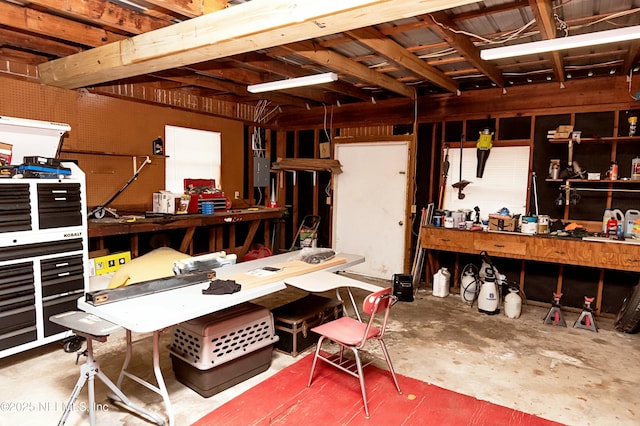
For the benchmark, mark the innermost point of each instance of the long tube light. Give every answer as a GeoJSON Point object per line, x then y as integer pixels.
{"type": "Point", "coordinates": [293, 82]}
{"type": "Point", "coordinates": [561, 43]}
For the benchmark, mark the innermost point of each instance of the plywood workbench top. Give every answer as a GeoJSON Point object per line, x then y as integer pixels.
{"type": "Point", "coordinates": [127, 225]}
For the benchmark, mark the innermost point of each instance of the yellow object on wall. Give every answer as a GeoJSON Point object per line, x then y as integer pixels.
{"type": "Point", "coordinates": [109, 263]}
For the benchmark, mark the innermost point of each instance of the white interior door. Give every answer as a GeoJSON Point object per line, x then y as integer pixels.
{"type": "Point", "coordinates": [370, 198]}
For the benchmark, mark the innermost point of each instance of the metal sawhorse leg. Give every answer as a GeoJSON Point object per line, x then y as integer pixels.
{"type": "Point", "coordinates": [93, 328]}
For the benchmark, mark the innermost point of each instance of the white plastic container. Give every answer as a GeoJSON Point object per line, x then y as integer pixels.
{"type": "Point", "coordinates": [635, 169]}
{"type": "Point", "coordinates": [468, 287]}
{"type": "Point", "coordinates": [630, 216]}
{"type": "Point", "coordinates": [513, 304]}
{"type": "Point", "coordinates": [615, 213]}
{"type": "Point", "coordinates": [441, 281]}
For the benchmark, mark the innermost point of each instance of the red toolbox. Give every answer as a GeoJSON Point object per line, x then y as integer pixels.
{"type": "Point", "coordinates": [205, 189]}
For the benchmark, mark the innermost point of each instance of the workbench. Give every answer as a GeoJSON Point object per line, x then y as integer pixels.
{"type": "Point", "coordinates": [217, 224]}
{"type": "Point", "coordinates": [592, 252]}
{"type": "Point", "coordinates": [159, 311]}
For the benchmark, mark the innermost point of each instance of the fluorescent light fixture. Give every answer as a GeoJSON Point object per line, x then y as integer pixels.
{"type": "Point", "coordinates": [293, 82]}
{"type": "Point", "coordinates": [561, 43]}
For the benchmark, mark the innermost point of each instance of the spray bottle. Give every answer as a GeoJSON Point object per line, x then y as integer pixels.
{"type": "Point", "coordinates": [489, 295]}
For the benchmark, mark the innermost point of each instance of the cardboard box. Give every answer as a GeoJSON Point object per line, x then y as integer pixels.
{"type": "Point", "coordinates": [6, 151]}
{"type": "Point", "coordinates": [503, 223]}
{"type": "Point", "coordinates": [563, 132]}
{"type": "Point", "coordinates": [164, 202]}
{"type": "Point", "coordinates": [109, 263]}
{"type": "Point", "coordinates": [325, 150]}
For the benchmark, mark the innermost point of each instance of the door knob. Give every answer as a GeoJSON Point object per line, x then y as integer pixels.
{"type": "Point", "coordinates": [401, 223]}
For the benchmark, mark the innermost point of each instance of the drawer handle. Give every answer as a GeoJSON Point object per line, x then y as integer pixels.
{"type": "Point", "coordinates": [64, 274]}
{"type": "Point", "coordinates": [59, 265]}
{"type": "Point", "coordinates": [59, 191]}
{"type": "Point", "coordinates": [559, 252]}
{"type": "Point", "coordinates": [498, 245]}
{"type": "Point", "coordinates": [60, 199]}
{"type": "Point", "coordinates": [445, 240]}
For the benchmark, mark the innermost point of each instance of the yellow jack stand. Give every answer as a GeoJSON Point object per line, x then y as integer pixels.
{"type": "Point", "coordinates": [555, 316]}
{"type": "Point", "coordinates": [586, 319]}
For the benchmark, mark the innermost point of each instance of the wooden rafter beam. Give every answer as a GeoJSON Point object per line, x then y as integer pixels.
{"type": "Point", "coordinates": [190, 9]}
{"type": "Point", "coordinates": [49, 25]}
{"type": "Point", "coordinates": [105, 13]}
{"type": "Point", "coordinates": [36, 44]}
{"type": "Point", "coordinates": [186, 77]}
{"type": "Point", "coordinates": [258, 24]}
{"type": "Point", "coordinates": [248, 75]}
{"type": "Point", "coordinates": [337, 86]}
{"type": "Point", "coordinates": [446, 28]}
{"type": "Point", "coordinates": [543, 12]}
{"type": "Point", "coordinates": [631, 57]}
{"type": "Point", "coordinates": [342, 64]}
{"type": "Point", "coordinates": [394, 52]}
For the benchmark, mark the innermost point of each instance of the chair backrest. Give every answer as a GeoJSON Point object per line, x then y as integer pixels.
{"type": "Point", "coordinates": [374, 304]}
{"type": "Point", "coordinates": [377, 301]}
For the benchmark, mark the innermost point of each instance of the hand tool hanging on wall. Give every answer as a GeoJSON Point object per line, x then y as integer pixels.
{"type": "Point", "coordinates": [445, 173]}
{"type": "Point", "coordinates": [483, 150]}
{"type": "Point", "coordinates": [461, 184]}
{"type": "Point", "coordinates": [100, 211]}
{"type": "Point", "coordinates": [534, 180]}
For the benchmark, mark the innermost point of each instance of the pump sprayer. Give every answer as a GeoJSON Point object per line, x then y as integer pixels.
{"type": "Point", "coordinates": [489, 295]}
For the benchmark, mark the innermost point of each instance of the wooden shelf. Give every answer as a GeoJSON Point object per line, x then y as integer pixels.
{"type": "Point", "coordinates": [587, 181]}
{"type": "Point", "coordinates": [307, 164]}
{"type": "Point", "coordinates": [112, 154]}
{"type": "Point", "coordinates": [604, 139]}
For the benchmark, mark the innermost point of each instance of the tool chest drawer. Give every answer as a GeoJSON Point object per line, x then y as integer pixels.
{"type": "Point", "coordinates": [62, 275]}
{"type": "Point", "coordinates": [295, 320]}
{"type": "Point", "coordinates": [39, 249]}
{"type": "Point", "coordinates": [15, 276]}
{"type": "Point", "coordinates": [59, 205]}
{"type": "Point", "coordinates": [18, 337]}
{"type": "Point", "coordinates": [17, 318]}
{"type": "Point", "coordinates": [55, 306]}
{"type": "Point", "coordinates": [15, 208]}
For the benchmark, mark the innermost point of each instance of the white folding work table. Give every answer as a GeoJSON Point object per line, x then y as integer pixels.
{"type": "Point", "coordinates": [158, 311]}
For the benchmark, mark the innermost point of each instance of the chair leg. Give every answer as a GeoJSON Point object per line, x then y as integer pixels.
{"type": "Point", "coordinates": [315, 359]}
{"type": "Point", "coordinates": [388, 359]}
{"type": "Point", "coordinates": [361, 377]}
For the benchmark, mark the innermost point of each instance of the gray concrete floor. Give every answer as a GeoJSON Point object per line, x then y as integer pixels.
{"type": "Point", "coordinates": [573, 376]}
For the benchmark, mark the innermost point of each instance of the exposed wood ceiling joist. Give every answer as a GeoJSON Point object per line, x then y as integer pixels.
{"type": "Point", "coordinates": [543, 11]}
{"type": "Point", "coordinates": [224, 33]}
{"type": "Point", "coordinates": [381, 48]}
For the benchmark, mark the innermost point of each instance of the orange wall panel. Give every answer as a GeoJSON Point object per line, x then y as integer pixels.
{"type": "Point", "coordinates": [107, 132]}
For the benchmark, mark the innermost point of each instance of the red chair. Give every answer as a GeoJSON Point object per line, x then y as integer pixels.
{"type": "Point", "coordinates": [352, 334]}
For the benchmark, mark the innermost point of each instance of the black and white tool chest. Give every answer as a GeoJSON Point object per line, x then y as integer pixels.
{"type": "Point", "coordinates": [43, 254]}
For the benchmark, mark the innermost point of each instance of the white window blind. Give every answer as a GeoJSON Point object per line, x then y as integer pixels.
{"type": "Point", "coordinates": [191, 153]}
{"type": "Point", "coordinates": [503, 184]}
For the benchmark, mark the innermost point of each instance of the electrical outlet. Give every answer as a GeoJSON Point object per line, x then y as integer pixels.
{"type": "Point", "coordinates": [413, 208]}
{"type": "Point", "coordinates": [328, 201]}
{"type": "Point", "coordinates": [237, 195]}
